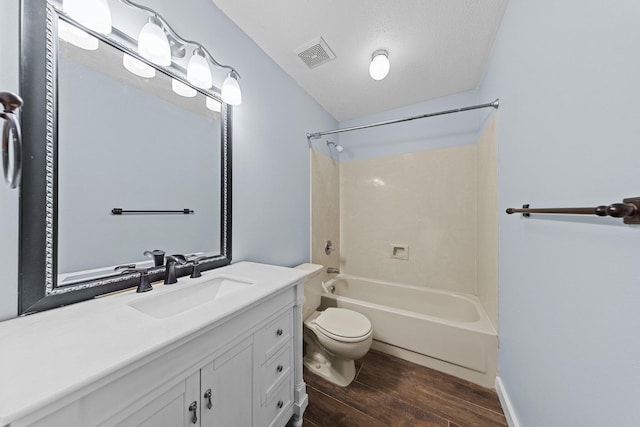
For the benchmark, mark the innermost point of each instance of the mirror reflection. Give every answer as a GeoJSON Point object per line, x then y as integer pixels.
{"type": "Point", "coordinates": [134, 138]}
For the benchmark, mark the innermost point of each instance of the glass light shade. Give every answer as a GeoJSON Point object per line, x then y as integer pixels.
{"type": "Point", "coordinates": [182, 89]}
{"type": "Point", "coordinates": [93, 14]}
{"type": "Point", "coordinates": [138, 67]}
{"type": "Point", "coordinates": [214, 105]}
{"type": "Point", "coordinates": [153, 44]}
{"type": "Point", "coordinates": [198, 71]}
{"type": "Point", "coordinates": [379, 67]}
{"type": "Point", "coordinates": [231, 93]}
{"type": "Point", "coordinates": [76, 36]}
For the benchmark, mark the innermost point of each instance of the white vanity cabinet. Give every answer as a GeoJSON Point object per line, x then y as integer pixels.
{"type": "Point", "coordinates": [226, 388]}
{"type": "Point", "coordinates": [219, 394]}
{"type": "Point", "coordinates": [245, 369]}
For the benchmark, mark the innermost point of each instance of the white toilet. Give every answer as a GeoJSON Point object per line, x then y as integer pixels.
{"type": "Point", "coordinates": [334, 337]}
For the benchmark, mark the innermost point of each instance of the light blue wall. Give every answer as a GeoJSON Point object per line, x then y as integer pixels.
{"type": "Point", "coordinates": [270, 152]}
{"type": "Point", "coordinates": [568, 135]}
{"type": "Point", "coordinates": [417, 135]}
{"type": "Point", "coordinates": [9, 10]}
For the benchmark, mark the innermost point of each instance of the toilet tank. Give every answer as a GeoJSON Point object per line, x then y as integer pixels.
{"type": "Point", "coordinates": [312, 288]}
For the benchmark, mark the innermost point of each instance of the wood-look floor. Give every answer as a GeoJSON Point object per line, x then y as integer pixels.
{"type": "Point", "coordinates": [388, 391]}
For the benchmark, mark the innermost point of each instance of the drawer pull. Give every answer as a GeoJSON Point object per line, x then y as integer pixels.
{"type": "Point", "coordinates": [207, 395]}
{"type": "Point", "coordinates": [279, 332]}
{"type": "Point", "coordinates": [280, 403]}
{"type": "Point", "coordinates": [194, 408]}
{"type": "Point", "coordinates": [279, 368]}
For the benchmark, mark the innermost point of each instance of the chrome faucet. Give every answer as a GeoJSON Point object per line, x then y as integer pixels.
{"type": "Point", "coordinates": [333, 270]}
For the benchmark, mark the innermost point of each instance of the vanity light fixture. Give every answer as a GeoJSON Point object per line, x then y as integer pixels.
{"type": "Point", "coordinates": [138, 67]}
{"type": "Point", "coordinates": [214, 105]}
{"type": "Point", "coordinates": [160, 44]}
{"type": "Point", "coordinates": [93, 14]}
{"type": "Point", "coordinates": [379, 67]}
{"type": "Point", "coordinates": [182, 89]}
{"type": "Point", "coordinates": [153, 43]}
{"type": "Point", "coordinates": [198, 71]}
{"type": "Point", "coordinates": [76, 36]}
{"type": "Point", "coordinates": [231, 93]}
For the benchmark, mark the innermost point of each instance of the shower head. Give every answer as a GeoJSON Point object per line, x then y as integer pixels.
{"type": "Point", "coordinates": [339, 148]}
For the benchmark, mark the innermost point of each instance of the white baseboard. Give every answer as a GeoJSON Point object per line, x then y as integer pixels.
{"type": "Point", "coordinates": [507, 406]}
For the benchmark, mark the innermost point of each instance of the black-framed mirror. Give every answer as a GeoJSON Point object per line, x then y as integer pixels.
{"type": "Point", "coordinates": [100, 142]}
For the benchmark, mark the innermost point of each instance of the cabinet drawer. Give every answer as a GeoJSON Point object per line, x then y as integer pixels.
{"type": "Point", "coordinates": [278, 407]}
{"type": "Point", "coordinates": [275, 370]}
{"type": "Point", "coordinates": [274, 335]}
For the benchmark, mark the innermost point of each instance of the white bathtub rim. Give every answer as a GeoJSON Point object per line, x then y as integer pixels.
{"type": "Point", "coordinates": [471, 298]}
{"type": "Point", "coordinates": [483, 325]}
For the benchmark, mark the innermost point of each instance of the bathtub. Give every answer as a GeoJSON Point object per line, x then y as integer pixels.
{"type": "Point", "coordinates": [450, 327]}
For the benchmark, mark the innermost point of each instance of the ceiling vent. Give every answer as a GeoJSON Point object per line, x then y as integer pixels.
{"type": "Point", "coordinates": [315, 53]}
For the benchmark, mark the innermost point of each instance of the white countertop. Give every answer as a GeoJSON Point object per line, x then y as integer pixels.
{"type": "Point", "coordinates": [51, 354]}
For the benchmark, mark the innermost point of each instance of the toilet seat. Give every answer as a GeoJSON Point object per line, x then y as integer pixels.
{"type": "Point", "coordinates": [343, 325]}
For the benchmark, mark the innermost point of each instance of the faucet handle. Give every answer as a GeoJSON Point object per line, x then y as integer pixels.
{"type": "Point", "coordinates": [158, 256]}
{"type": "Point", "coordinates": [144, 285]}
{"type": "Point", "coordinates": [196, 266]}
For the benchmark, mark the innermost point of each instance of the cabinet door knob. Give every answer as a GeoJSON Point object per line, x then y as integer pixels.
{"type": "Point", "coordinates": [279, 332]}
{"type": "Point", "coordinates": [279, 368]}
{"type": "Point", "coordinates": [207, 395]}
{"type": "Point", "coordinates": [194, 408]}
{"type": "Point", "coordinates": [280, 403]}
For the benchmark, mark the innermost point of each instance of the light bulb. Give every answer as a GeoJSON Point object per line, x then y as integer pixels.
{"type": "Point", "coordinates": [198, 71]}
{"type": "Point", "coordinates": [213, 105]}
{"type": "Point", "coordinates": [231, 93]}
{"type": "Point", "coordinates": [182, 89]}
{"type": "Point", "coordinates": [379, 67]}
{"type": "Point", "coordinates": [93, 14]}
{"type": "Point", "coordinates": [138, 67]}
{"type": "Point", "coordinates": [153, 44]}
{"type": "Point", "coordinates": [77, 37]}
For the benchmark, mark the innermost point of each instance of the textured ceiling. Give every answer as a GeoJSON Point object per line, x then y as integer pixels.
{"type": "Point", "coordinates": [436, 47]}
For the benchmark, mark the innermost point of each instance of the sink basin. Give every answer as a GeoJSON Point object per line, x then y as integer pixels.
{"type": "Point", "coordinates": [171, 303]}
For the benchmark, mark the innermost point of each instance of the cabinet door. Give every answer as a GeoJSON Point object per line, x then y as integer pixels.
{"type": "Point", "coordinates": [171, 408]}
{"type": "Point", "coordinates": [228, 381]}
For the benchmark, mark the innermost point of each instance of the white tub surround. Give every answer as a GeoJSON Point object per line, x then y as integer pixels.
{"type": "Point", "coordinates": [153, 359]}
{"type": "Point", "coordinates": [442, 330]}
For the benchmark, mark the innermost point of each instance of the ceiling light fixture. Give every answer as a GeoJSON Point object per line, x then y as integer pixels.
{"type": "Point", "coordinates": [93, 14]}
{"type": "Point", "coordinates": [379, 67]}
{"type": "Point", "coordinates": [153, 43]}
{"type": "Point", "coordinates": [231, 93]}
{"type": "Point", "coordinates": [198, 71]}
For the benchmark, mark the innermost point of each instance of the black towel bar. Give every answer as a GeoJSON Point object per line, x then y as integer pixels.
{"type": "Point", "coordinates": [629, 210]}
{"type": "Point", "coordinates": [120, 211]}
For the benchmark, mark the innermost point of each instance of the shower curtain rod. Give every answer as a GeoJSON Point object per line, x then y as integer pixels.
{"type": "Point", "coordinates": [495, 104]}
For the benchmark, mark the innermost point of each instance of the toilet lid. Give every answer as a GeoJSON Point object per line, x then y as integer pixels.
{"type": "Point", "coordinates": [344, 323]}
